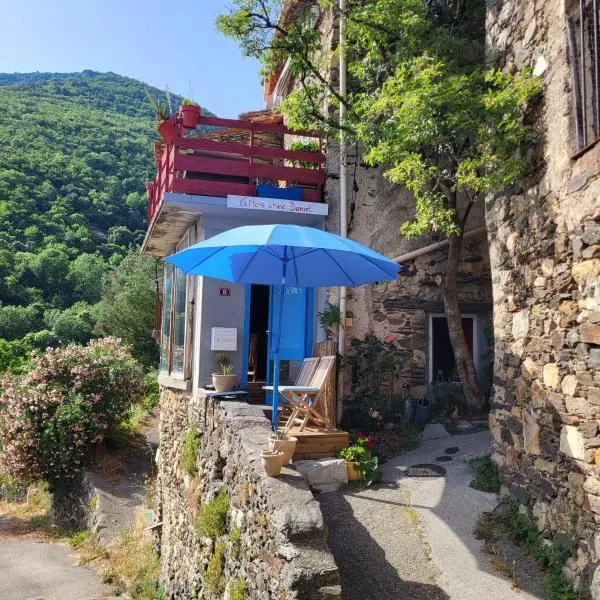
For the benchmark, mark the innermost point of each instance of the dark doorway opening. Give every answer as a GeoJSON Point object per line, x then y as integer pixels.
{"type": "Point", "coordinates": [259, 324]}
{"type": "Point", "coordinates": [442, 354]}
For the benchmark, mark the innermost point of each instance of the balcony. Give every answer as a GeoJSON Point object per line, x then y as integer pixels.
{"type": "Point", "coordinates": [233, 160]}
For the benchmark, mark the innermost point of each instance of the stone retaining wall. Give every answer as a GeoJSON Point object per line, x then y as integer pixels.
{"type": "Point", "coordinates": [281, 552]}
{"type": "Point", "coordinates": [545, 259]}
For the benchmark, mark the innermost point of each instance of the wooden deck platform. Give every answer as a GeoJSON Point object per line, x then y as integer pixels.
{"type": "Point", "coordinates": [318, 443]}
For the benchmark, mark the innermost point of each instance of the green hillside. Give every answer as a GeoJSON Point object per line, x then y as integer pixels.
{"type": "Point", "coordinates": [75, 154]}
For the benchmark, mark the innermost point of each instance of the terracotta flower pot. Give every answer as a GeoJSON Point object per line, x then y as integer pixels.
{"type": "Point", "coordinates": [190, 113]}
{"type": "Point", "coordinates": [272, 462]}
{"type": "Point", "coordinates": [353, 472]}
{"type": "Point", "coordinates": [287, 445]}
{"type": "Point", "coordinates": [224, 383]}
{"type": "Point", "coordinates": [166, 129]}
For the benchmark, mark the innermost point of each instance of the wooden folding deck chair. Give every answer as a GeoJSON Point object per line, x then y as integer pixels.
{"type": "Point", "coordinates": [309, 366]}
{"type": "Point", "coordinates": [305, 400]}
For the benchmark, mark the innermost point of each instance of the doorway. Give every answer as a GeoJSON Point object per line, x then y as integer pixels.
{"type": "Point", "coordinates": [441, 353]}
{"type": "Point", "coordinates": [259, 336]}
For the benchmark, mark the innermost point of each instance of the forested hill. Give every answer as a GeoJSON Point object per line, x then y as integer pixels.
{"type": "Point", "coordinates": [75, 152]}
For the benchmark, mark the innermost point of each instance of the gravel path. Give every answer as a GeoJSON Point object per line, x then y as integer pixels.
{"type": "Point", "coordinates": [412, 538]}
{"type": "Point", "coordinates": [377, 545]}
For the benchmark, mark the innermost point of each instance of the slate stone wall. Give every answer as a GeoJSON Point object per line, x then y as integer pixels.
{"type": "Point", "coordinates": [545, 259]}
{"type": "Point", "coordinates": [275, 538]}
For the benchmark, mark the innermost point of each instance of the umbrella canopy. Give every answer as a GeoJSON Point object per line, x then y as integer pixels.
{"type": "Point", "coordinates": [285, 255]}
{"type": "Point", "coordinates": [255, 254]}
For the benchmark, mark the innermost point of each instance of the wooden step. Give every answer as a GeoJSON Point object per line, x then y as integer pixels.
{"type": "Point", "coordinates": [319, 443]}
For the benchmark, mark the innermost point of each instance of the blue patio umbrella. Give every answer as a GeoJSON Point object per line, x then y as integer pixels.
{"type": "Point", "coordinates": [285, 255]}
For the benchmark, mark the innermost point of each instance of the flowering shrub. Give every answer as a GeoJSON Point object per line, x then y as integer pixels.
{"type": "Point", "coordinates": [358, 452]}
{"type": "Point", "coordinates": [53, 415]}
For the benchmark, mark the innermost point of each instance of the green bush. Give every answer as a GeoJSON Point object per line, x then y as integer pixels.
{"type": "Point", "coordinates": [189, 451]}
{"type": "Point", "coordinates": [486, 474]}
{"type": "Point", "coordinates": [214, 581]}
{"type": "Point", "coordinates": [57, 412]}
{"type": "Point", "coordinates": [237, 590]}
{"type": "Point", "coordinates": [235, 536]}
{"type": "Point", "coordinates": [212, 516]}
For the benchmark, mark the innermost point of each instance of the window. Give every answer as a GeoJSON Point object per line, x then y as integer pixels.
{"type": "Point", "coordinates": [583, 40]}
{"type": "Point", "coordinates": [175, 334]}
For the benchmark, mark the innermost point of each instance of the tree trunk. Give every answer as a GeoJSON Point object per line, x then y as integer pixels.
{"type": "Point", "coordinates": [462, 355]}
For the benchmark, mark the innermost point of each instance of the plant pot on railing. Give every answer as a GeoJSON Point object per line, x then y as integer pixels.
{"type": "Point", "coordinates": [189, 113]}
{"type": "Point", "coordinates": [266, 190]}
{"type": "Point", "coordinates": [159, 150]}
{"type": "Point", "coordinates": [166, 129]}
{"type": "Point", "coordinates": [224, 383]}
{"type": "Point", "coordinates": [272, 462]}
{"type": "Point", "coordinates": [287, 445]}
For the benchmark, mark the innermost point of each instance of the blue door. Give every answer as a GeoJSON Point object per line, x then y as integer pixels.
{"type": "Point", "coordinates": [296, 330]}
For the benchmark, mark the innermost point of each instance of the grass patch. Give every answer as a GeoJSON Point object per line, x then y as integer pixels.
{"type": "Point", "coordinates": [88, 547]}
{"type": "Point", "coordinates": [523, 532]}
{"type": "Point", "coordinates": [35, 511]}
{"type": "Point", "coordinates": [486, 476]}
{"type": "Point", "coordinates": [133, 565]}
{"type": "Point", "coordinates": [212, 516]}
{"type": "Point", "coordinates": [412, 515]}
{"type": "Point", "coordinates": [214, 581]}
{"type": "Point", "coordinates": [235, 537]}
{"type": "Point", "coordinates": [189, 451]}
{"type": "Point", "coordinates": [237, 590]}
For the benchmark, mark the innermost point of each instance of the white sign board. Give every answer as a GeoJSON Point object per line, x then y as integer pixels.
{"type": "Point", "coordinates": [274, 204]}
{"type": "Point", "coordinates": [224, 339]}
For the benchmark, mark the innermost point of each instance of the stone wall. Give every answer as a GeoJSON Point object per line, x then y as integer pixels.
{"type": "Point", "coordinates": [281, 552]}
{"type": "Point", "coordinates": [545, 259]}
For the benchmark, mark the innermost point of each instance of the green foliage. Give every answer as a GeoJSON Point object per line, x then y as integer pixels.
{"type": "Point", "coordinates": [300, 146]}
{"type": "Point", "coordinates": [330, 317]}
{"type": "Point", "coordinates": [76, 153]}
{"type": "Point", "coordinates": [126, 309]}
{"type": "Point", "coordinates": [237, 590]}
{"type": "Point", "coordinates": [486, 474]}
{"type": "Point", "coordinates": [10, 490]}
{"type": "Point", "coordinates": [78, 538]}
{"type": "Point", "coordinates": [522, 531]}
{"type": "Point", "coordinates": [13, 355]}
{"type": "Point", "coordinates": [214, 581]}
{"type": "Point", "coordinates": [54, 414]}
{"type": "Point", "coordinates": [368, 466]}
{"type": "Point", "coordinates": [235, 537]}
{"type": "Point", "coordinates": [189, 451]}
{"type": "Point", "coordinates": [422, 102]}
{"type": "Point", "coordinates": [212, 516]}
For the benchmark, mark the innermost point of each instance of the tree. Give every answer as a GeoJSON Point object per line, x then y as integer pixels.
{"type": "Point", "coordinates": [127, 306]}
{"type": "Point", "coordinates": [422, 103]}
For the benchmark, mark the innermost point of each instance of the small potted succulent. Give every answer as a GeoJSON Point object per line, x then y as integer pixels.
{"type": "Point", "coordinates": [272, 461]}
{"type": "Point", "coordinates": [166, 124]}
{"type": "Point", "coordinates": [224, 380]}
{"type": "Point", "coordinates": [284, 443]}
{"type": "Point", "coordinates": [189, 112]}
{"type": "Point", "coordinates": [330, 319]}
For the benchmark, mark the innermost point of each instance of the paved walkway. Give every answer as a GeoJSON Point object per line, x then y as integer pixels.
{"type": "Point", "coordinates": [412, 538]}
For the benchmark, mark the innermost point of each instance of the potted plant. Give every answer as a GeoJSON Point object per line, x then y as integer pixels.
{"type": "Point", "coordinates": [189, 112]}
{"type": "Point", "coordinates": [360, 465]}
{"type": "Point", "coordinates": [329, 319]}
{"type": "Point", "coordinates": [284, 443]}
{"type": "Point", "coordinates": [166, 124]}
{"type": "Point", "coordinates": [224, 380]}
{"type": "Point", "coordinates": [272, 461]}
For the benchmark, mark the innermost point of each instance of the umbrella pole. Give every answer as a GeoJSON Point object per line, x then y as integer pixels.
{"type": "Point", "coordinates": [275, 399]}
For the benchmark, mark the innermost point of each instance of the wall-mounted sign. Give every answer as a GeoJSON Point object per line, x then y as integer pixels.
{"type": "Point", "coordinates": [224, 291]}
{"type": "Point", "coordinates": [223, 339]}
{"type": "Point", "coordinates": [274, 204]}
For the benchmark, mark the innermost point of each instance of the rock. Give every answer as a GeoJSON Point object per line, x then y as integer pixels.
{"type": "Point", "coordinates": [589, 333]}
{"type": "Point", "coordinates": [538, 394]}
{"type": "Point", "coordinates": [434, 431]}
{"type": "Point", "coordinates": [594, 358]}
{"type": "Point", "coordinates": [520, 325]}
{"type": "Point", "coordinates": [326, 474]}
{"type": "Point", "coordinates": [530, 368]}
{"type": "Point", "coordinates": [547, 267]}
{"type": "Point", "coordinates": [571, 442]}
{"type": "Point", "coordinates": [569, 385]}
{"type": "Point", "coordinates": [527, 37]}
{"type": "Point", "coordinates": [577, 406]}
{"type": "Point", "coordinates": [591, 233]}
{"type": "Point", "coordinates": [586, 271]}
{"type": "Point", "coordinates": [464, 426]}
{"type": "Point", "coordinates": [592, 486]}
{"type": "Point", "coordinates": [531, 434]}
{"type": "Point", "coordinates": [541, 64]}
{"type": "Point", "coordinates": [591, 251]}
{"type": "Point", "coordinates": [551, 375]}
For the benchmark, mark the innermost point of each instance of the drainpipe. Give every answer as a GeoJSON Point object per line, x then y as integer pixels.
{"type": "Point", "coordinates": [431, 248]}
{"type": "Point", "coordinates": [343, 199]}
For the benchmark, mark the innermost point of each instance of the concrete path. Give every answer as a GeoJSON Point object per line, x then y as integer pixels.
{"type": "Point", "coordinates": [32, 570]}
{"type": "Point", "coordinates": [449, 510]}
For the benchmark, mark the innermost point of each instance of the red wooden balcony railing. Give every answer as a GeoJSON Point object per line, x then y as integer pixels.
{"type": "Point", "coordinates": [218, 166]}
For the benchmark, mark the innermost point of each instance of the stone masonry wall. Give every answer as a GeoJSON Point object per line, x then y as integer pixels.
{"type": "Point", "coordinates": [281, 553]}
{"type": "Point", "coordinates": [545, 259]}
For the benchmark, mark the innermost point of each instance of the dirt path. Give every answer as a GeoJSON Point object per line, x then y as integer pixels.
{"type": "Point", "coordinates": [33, 568]}
{"type": "Point", "coordinates": [412, 538]}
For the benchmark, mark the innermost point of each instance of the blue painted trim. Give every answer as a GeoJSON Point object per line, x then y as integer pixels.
{"type": "Point", "coordinates": [246, 336]}
{"type": "Point", "coordinates": [310, 321]}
